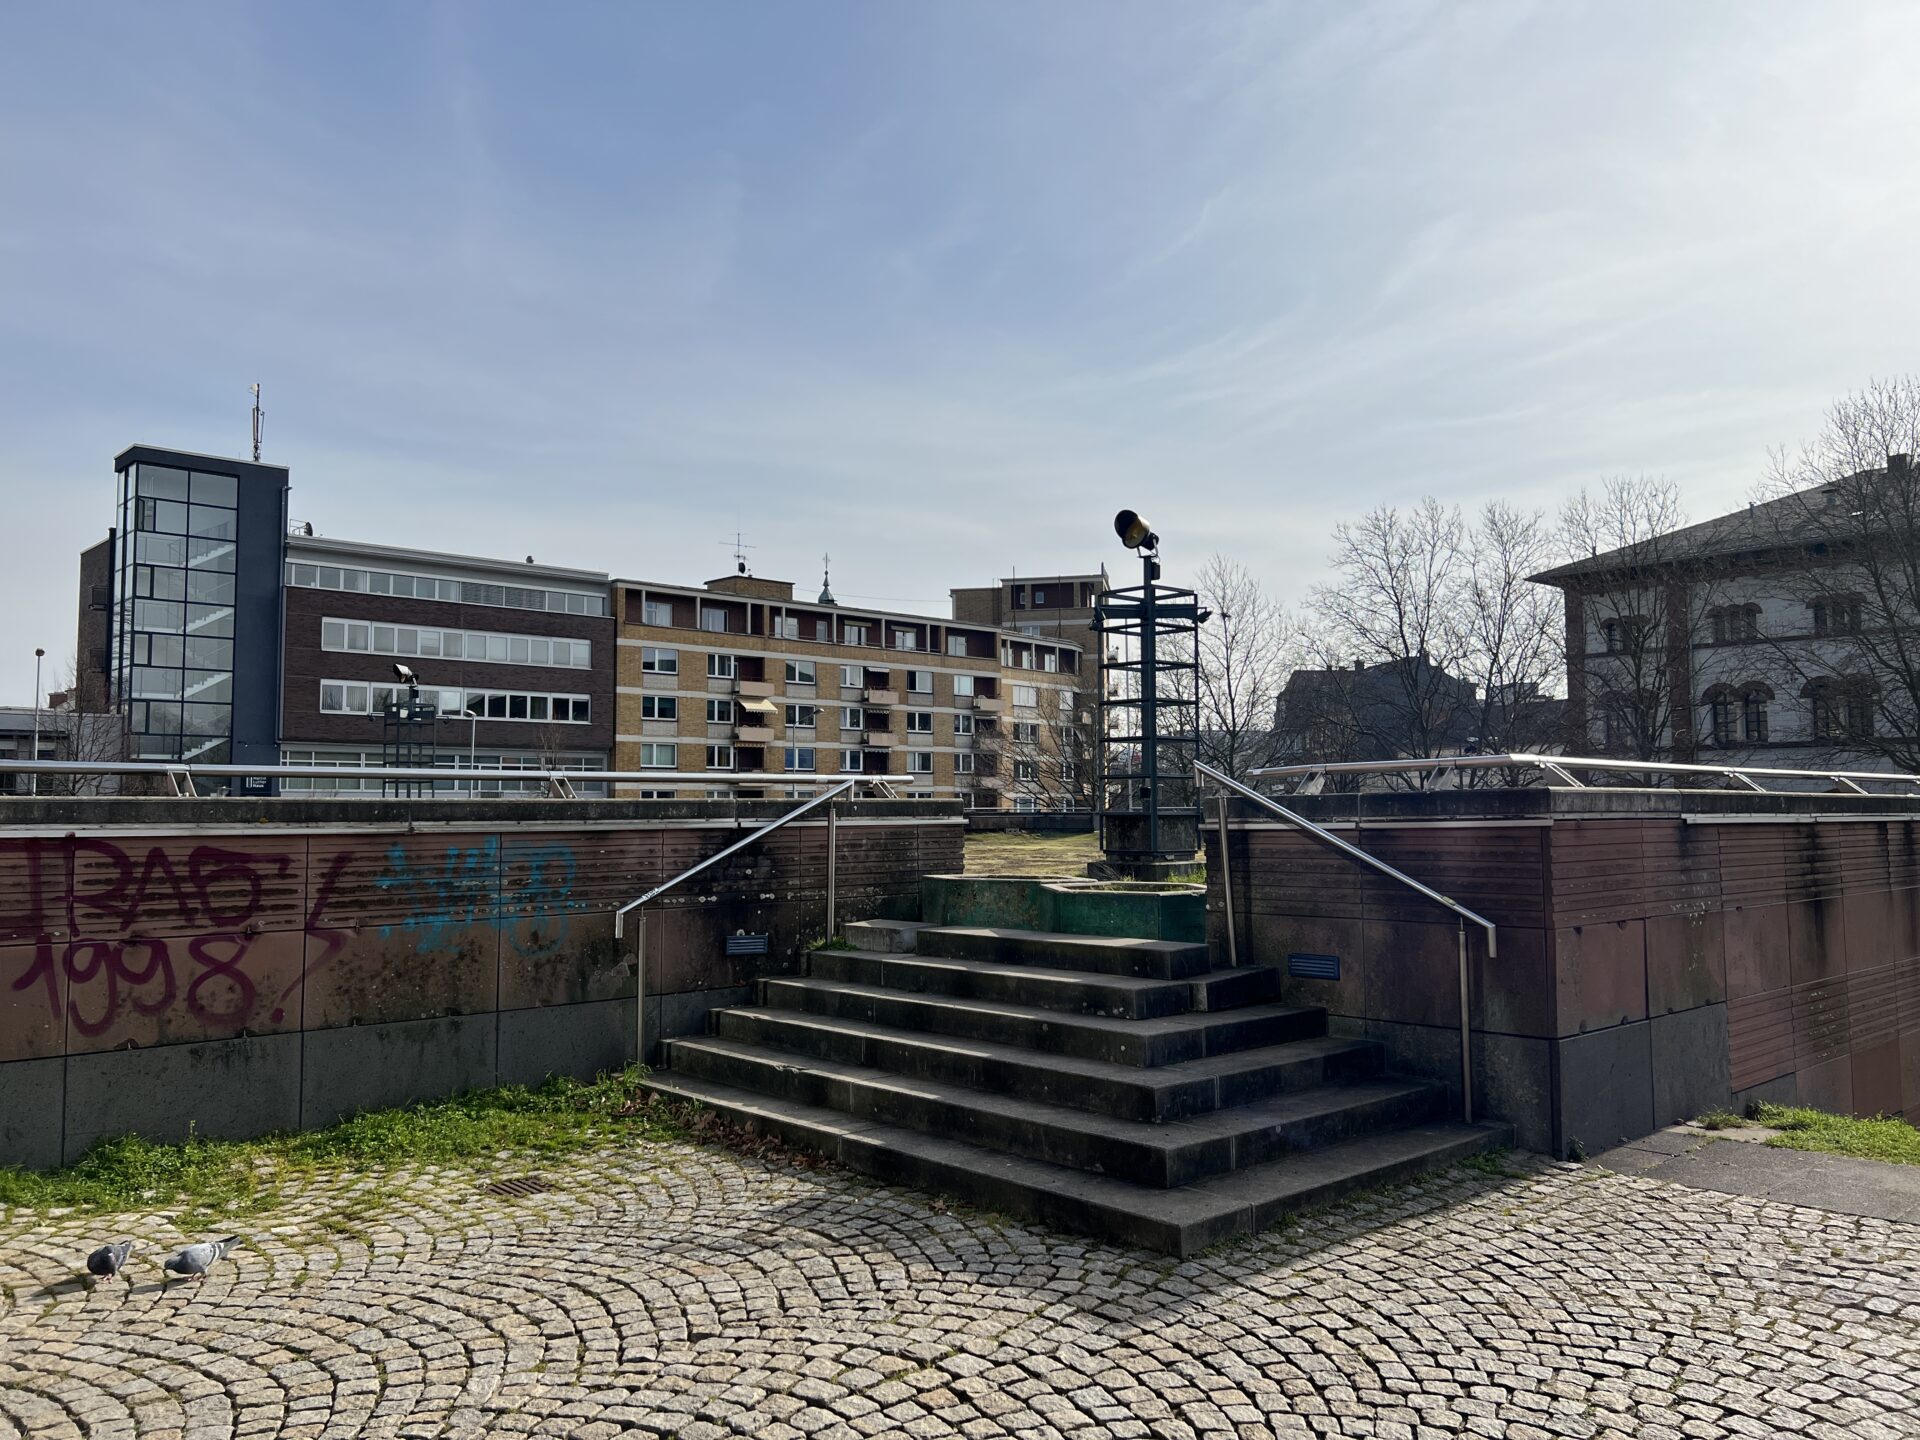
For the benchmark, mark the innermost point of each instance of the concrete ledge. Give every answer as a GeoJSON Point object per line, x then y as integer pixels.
{"type": "Point", "coordinates": [32, 1112]}
{"type": "Point", "coordinates": [216, 1089]}
{"type": "Point", "coordinates": [581, 1040]}
{"type": "Point", "coordinates": [371, 1067]}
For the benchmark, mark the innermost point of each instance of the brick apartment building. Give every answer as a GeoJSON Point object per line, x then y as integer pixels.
{"type": "Point", "coordinates": [1060, 606]}
{"type": "Point", "coordinates": [739, 674]}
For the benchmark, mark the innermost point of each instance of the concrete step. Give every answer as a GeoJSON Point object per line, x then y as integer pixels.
{"type": "Point", "coordinates": [1163, 1041]}
{"type": "Point", "coordinates": [1177, 1222]}
{"type": "Point", "coordinates": [896, 936]}
{"type": "Point", "coordinates": [1132, 1092]}
{"type": "Point", "coordinates": [1076, 992]}
{"type": "Point", "coordinates": [1103, 954]}
{"type": "Point", "coordinates": [1161, 1155]}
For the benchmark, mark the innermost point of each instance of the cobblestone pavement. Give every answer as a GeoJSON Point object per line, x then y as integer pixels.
{"type": "Point", "coordinates": [681, 1290]}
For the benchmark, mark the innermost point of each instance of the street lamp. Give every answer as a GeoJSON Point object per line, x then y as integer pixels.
{"type": "Point", "coordinates": [34, 779]}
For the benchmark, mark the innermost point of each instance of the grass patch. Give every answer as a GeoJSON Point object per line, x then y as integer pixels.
{"type": "Point", "coordinates": [1722, 1120]}
{"type": "Point", "coordinates": [207, 1178]}
{"type": "Point", "coordinates": [1883, 1138]}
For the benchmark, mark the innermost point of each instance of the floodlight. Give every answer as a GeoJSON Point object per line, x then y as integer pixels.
{"type": "Point", "coordinates": [405, 675]}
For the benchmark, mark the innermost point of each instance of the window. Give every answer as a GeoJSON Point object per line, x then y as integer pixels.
{"type": "Point", "coordinates": [905, 640]}
{"type": "Point", "coordinates": [719, 757]}
{"type": "Point", "coordinates": [963, 763]}
{"type": "Point", "coordinates": [852, 761]}
{"type": "Point", "coordinates": [1720, 715]}
{"type": "Point", "coordinates": [1025, 770]}
{"type": "Point", "coordinates": [1019, 597]}
{"type": "Point", "coordinates": [1026, 732]}
{"type": "Point", "coordinates": [418, 587]}
{"type": "Point", "coordinates": [408, 640]}
{"type": "Point", "coordinates": [659, 662]}
{"type": "Point", "coordinates": [657, 612]}
{"type": "Point", "coordinates": [851, 676]}
{"type": "Point", "coordinates": [343, 697]}
{"type": "Point", "coordinates": [657, 757]}
{"type": "Point", "coordinates": [920, 762]}
{"type": "Point", "coordinates": [787, 627]}
{"type": "Point", "coordinates": [714, 619]}
{"type": "Point", "coordinates": [719, 712]}
{"type": "Point", "coordinates": [1039, 596]}
{"type": "Point", "coordinates": [659, 707]}
{"type": "Point", "coordinates": [962, 725]}
{"type": "Point", "coordinates": [801, 717]}
{"type": "Point", "coordinates": [853, 718]}
{"type": "Point", "coordinates": [854, 635]}
{"type": "Point", "coordinates": [800, 672]}
{"type": "Point", "coordinates": [1836, 615]}
{"type": "Point", "coordinates": [962, 685]}
{"type": "Point", "coordinates": [956, 644]}
{"type": "Point", "coordinates": [800, 758]}
{"type": "Point", "coordinates": [1027, 696]}
{"type": "Point", "coordinates": [1842, 708]}
{"type": "Point", "coordinates": [1050, 660]}
{"type": "Point", "coordinates": [1753, 714]}
{"type": "Point", "coordinates": [920, 682]}
{"type": "Point", "coordinates": [920, 722]}
{"type": "Point", "coordinates": [722, 667]}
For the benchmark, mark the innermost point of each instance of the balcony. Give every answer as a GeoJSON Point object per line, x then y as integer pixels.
{"type": "Point", "coordinates": [757, 689]}
{"type": "Point", "coordinates": [753, 734]}
{"type": "Point", "coordinates": [879, 697]}
{"type": "Point", "coordinates": [989, 704]}
{"type": "Point", "coordinates": [878, 740]}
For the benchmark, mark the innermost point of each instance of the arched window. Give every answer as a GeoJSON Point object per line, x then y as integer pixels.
{"type": "Point", "coordinates": [1753, 713]}
{"type": "Point", "coordinates": [1843, 707]}
{"type": "Point", "coordinates": [1719, 701]}
{"type": "Point", "coordinates": [1835, 615]}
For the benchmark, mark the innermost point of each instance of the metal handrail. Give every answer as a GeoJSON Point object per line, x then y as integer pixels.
{"type": "Point", "coordinates": [1463, 915]}
{"type": "Point", "coordinates": [759, 832]}
{"type": "Point", "coordinates": [1562, 768]}
{"type": "Point", "coordinates": [182, 774]}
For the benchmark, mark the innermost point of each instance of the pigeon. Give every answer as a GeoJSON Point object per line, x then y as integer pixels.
{"type": "Point", "coordinates": [110, 1260]}
{"type": "Point", "coordinates": [198, 1259]}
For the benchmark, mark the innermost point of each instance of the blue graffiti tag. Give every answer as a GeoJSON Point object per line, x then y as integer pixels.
{"type": "Point", "coordinates": [440, 899]}
{"type": "Point", "coordinates": [548, 894]}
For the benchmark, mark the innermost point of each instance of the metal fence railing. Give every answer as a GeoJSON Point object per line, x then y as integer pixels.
{"type": "Point", "coordinates": [1565, 770]}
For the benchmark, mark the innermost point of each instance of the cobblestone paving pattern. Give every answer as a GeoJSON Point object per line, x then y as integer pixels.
{"type": "Point", "coordinates": [682, 1290]}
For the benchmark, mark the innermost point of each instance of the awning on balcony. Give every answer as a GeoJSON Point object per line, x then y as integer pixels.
{"type": "Point", "coordinates": [764, 708]}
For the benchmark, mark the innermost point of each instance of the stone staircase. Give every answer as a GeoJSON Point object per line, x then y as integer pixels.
{"type": "Point", "coordinates": [1114, 1087]}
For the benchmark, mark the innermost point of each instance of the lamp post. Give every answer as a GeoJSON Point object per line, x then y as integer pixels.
{"type": "Point", "coordinates": [34, 779]}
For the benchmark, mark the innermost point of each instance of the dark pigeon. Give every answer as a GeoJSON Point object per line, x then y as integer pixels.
{"type": "Point", "coordinates": [198, 1259]}
{"type": "Point", "coordinates": [110, 1260]}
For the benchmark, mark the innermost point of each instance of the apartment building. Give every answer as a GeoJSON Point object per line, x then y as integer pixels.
{"type": "Point", "coordinates": [738, 675]}
{"type": "Point", "coordinates": [1058, 606]}
{"type": "Point", "coordinates": [516, 656]}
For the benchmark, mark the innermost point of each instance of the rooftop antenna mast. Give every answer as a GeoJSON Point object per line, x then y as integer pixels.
{"type": "Point", "coordinates": [259, 417]}
{"type": "Point", "coordinates": [740, 548]}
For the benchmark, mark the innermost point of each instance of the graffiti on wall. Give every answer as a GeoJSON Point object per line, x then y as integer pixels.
{"type": "Point", "coordinates": [217, 938]}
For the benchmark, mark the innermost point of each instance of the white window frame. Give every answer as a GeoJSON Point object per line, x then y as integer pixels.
{"type": "Point", "coordinates": [920, 762]}
{"type": "Point", "coordinates": [795, 712]}
{"type": "Point", "coordinates": [852, 762]}
{"type": "Point", "coordinates": [657, 612]}
{"type": "Point", "coordinates": [853, 677]}
{"type": "Point", "coordinates": [722, 665]}
{"type": "Point", "coordinates": [724, 705]}
{"type": "Point", "coordinates": [924, 688]}
{"type": "Point", "coordinates": [721, 757]}
{"type": "Point", "coordinates": [651, 752]}
{"type": "Point", "coordinates": [919, 722]}
{"type": "Point", "coordinates": [963, 725]}
{"type": "Point", "coordinates": [963, 763]}
{"type": "Point", "coordinates": [801, 672]}
{"type": "Point", "coordinates": [654, 660]}
{"type": "Point", "coordinates": [962, 685]}
{"type": "Point", "coordinates": [853, 634]}
{"type": "Point", "coordinates": [709, 614]}
{"type": "Point", "coordinates": [807, 766]}
{"type": "Point", "coordinates": [664, 707]}
{"type": "Point", "coordinates": [1026, 697]}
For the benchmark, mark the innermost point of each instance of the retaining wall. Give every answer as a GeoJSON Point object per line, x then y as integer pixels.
{"type": "Point", "coordinates": [1661, 953]}
{"type": "Point", "coordinates": [242, 966]}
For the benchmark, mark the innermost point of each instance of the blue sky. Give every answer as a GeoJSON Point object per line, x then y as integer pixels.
{"type": "Point", "coordinates": [936, 287]}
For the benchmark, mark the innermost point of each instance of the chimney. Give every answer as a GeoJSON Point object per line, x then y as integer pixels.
{"type": "Point", "coordinates": [1359, 665]}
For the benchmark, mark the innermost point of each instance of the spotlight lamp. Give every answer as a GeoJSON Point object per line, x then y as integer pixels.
{"type": "Point", "coordinates": [1134, 532]}
{"type": "Point", "coordinates": [404, 674]}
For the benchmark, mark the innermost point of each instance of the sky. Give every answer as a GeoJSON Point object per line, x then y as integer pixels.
{"type": "Point", "coordinates": [936, 288]}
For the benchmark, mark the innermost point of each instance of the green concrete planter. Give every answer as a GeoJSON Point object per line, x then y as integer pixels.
{"type": "Point", "coordinates": [1140, 910]}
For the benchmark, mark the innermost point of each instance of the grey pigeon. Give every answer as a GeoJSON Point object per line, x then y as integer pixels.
{"type": "Point", "coordinates": [110, 1260]}
{"type": "Point", "coordinates": [198, 1259]}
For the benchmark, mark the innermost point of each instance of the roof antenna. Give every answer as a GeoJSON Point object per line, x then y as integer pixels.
{"type": "Point", "coordinates": [740, 548]}
{"type": "Point", "coordinates": [259, 416]}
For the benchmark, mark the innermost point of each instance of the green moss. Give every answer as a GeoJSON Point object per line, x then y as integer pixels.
{"type": "Point", "coordinates": [203, 1178]}
{"type": "Point", "coordinates": [1882, 1138]}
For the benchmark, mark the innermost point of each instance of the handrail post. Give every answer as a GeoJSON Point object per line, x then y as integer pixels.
{"type": "Point", "coordinates": [640, 991]}
{"type": "Point", "coordinates": [1226, 884]}
{"type": "Point", "coordinates": [1466, 1032]}
{"type": "Point", "coordinates": [833, 862]}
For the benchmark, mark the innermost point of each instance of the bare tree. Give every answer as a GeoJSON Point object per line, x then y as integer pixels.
{"type": "Point", "coordinates": [1844, 522]}
{"type": "Point", "coordinates": [1629, 681]}
{"type": "Point", "coordinates": [1391, 638]}
{"type": "Point", "coordinates": [1042, 753]}
{"type": "Point", "coordinates": [82, 726]}
{"type": "Point", "coordinates": [1246, 651]}
{"type": "Point", "coordinates": [1514, 648]}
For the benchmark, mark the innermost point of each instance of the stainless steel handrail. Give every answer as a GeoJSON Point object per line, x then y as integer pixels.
{"type": "Point", "coordinates": [1562, 767]}
{"type": "Point", "coordinates": [1463, 915]}
{"type": "Point", "coordinates": [759, 832]}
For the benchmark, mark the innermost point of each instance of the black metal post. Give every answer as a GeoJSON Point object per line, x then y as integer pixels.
{"type": "Point", "coordinates": [1149, 699]}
